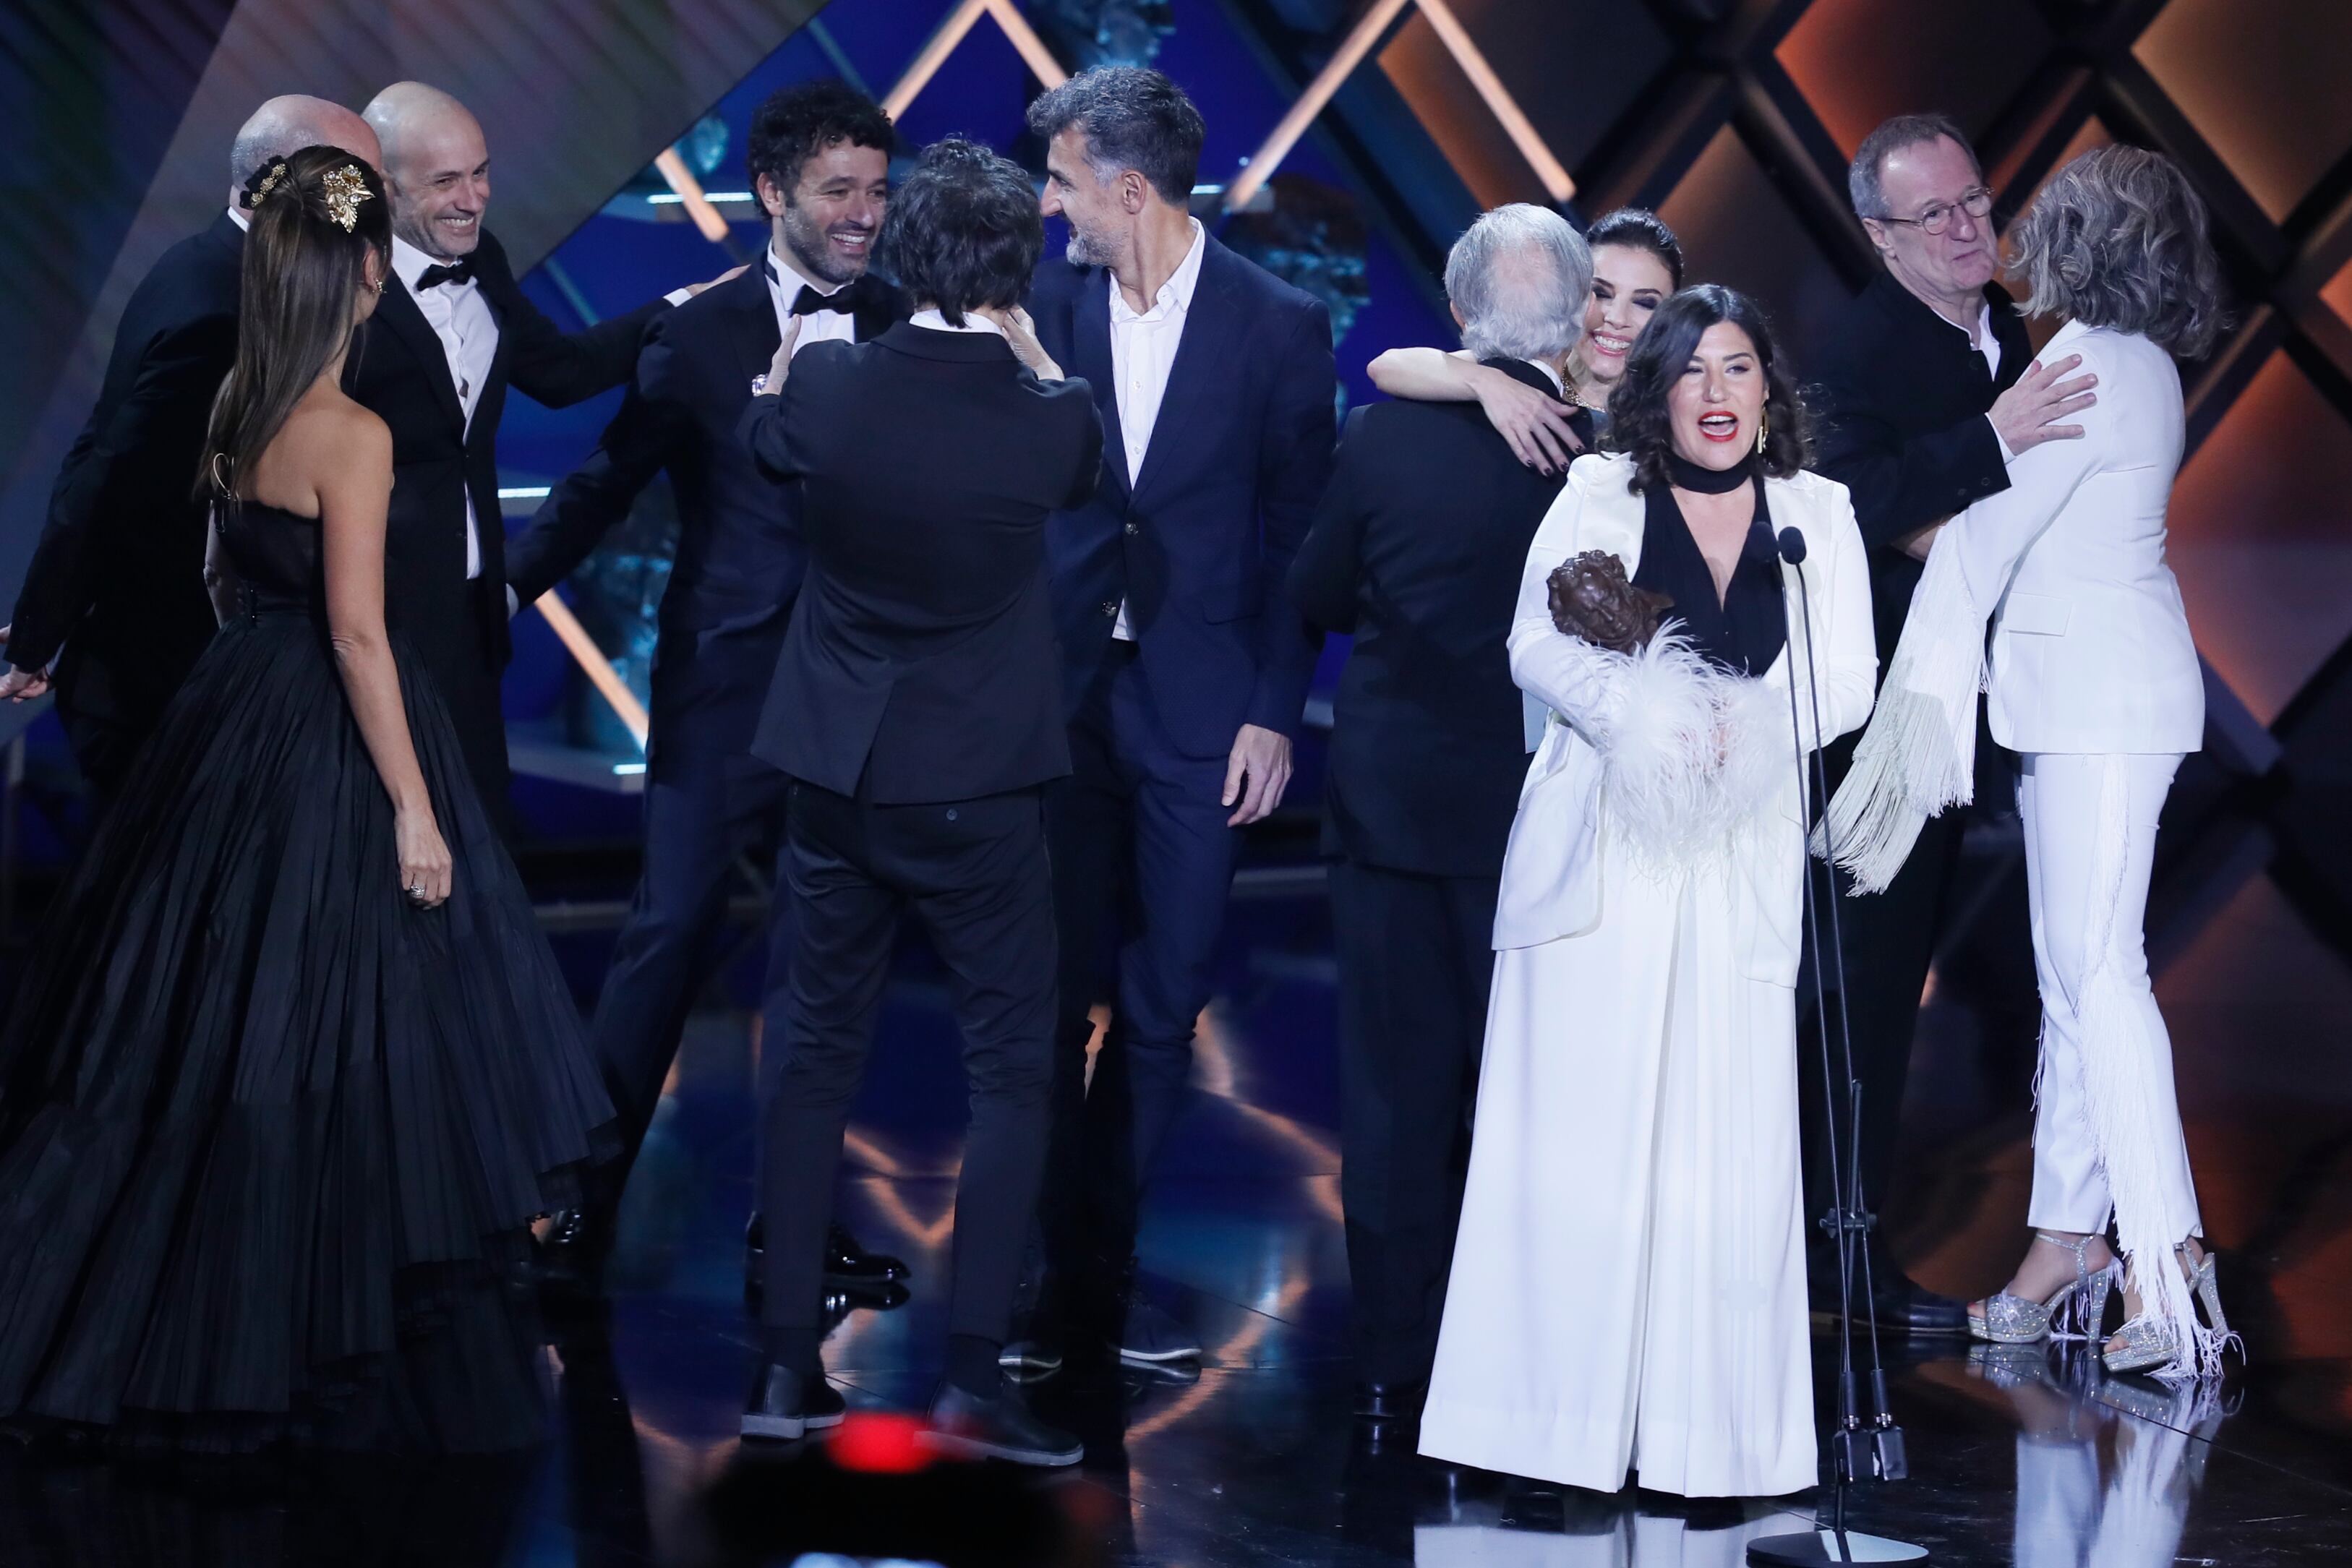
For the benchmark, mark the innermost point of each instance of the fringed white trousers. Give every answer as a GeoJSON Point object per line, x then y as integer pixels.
{"type": "Point", "coordinates": [2090, 839]}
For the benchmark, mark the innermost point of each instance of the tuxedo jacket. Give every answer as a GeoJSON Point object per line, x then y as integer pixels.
{"type": "Point", "coordinates": [117, 580]}
{"type": "Point", "coordinates": [1555, 879]}
{"type": "Point", "coordinates": [438, 459]}
{"type": "Point", "coordinates": [1416, 551]}
{"type": "Point", "coordinates": [920, 664]}
{"type": "Point", "coordinates": [739, 556]}
{"type": "Point", "coordinates": [1197, 544]}
{"type": "Point", "coordinates": [2091, 650]}
{"type": "Point", "coordinates": [1902, 399]}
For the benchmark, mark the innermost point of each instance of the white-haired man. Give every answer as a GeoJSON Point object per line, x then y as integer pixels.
{"type": "Point", "coordinates": [1417, 551]}
{"type": "Point", "coordinates": [114, 598]}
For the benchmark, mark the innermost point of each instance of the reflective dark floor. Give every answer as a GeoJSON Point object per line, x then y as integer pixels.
{"type": "Point", "coordinates": [2027, 1456]}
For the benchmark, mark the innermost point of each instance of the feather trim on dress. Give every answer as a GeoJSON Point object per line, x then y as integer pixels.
{"type": "Point", "coordinates": [1688, 756]}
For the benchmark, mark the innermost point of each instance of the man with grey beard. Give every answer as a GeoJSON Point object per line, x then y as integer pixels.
{"type": "Point", "coordinates": [1185, 666]}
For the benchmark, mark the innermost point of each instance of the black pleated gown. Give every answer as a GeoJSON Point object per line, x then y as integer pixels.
{"type": "Point", "coordinates": [270, 1136]}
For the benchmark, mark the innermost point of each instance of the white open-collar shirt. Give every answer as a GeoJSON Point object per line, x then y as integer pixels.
{"type": "Point", "coordinates": [1143, 351]}
{"type": "Point", "coordinates": [468, 331]}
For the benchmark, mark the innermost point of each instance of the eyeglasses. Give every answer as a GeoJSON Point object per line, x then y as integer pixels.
{"type": "Point", "coordinates": [1937, 219]}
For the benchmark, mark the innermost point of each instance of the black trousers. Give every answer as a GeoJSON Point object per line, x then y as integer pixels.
{"type": "Point", "coordinates": [975, 874]}
{"type": "Point", "coordinates": [704, 812]}
{"type": "Point", "coordinates": [1890, 942]}
{"type": "Point", "coordinates": [1416, 960]}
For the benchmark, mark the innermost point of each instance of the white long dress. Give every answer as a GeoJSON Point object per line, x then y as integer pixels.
{"type": "Point", "coordinates": [1628, 1288]}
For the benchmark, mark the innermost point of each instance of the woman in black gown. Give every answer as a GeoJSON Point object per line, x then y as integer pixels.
{"type": "Point", "coordinates": [292, 1068]}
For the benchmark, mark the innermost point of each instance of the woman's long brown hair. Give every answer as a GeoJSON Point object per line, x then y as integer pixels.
{"type": "Point", "coordinates": [302, 271]}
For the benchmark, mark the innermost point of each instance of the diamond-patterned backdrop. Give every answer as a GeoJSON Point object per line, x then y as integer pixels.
{"type": "Point", "coordinates": [1736, 119]}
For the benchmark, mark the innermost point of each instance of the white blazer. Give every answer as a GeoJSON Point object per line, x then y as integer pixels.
{"type": "Point", "coordinates": [1554, 872]}
{"type": "Point", "coordinates": [2091, 651]}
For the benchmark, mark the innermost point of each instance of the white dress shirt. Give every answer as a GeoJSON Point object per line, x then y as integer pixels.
{"type": "Point", "coordinates": [1987, 344]}
{"type": "Point", "coordinates": [1143, 351]}
{"type": "Point", "coordinates": [1989, 347]}
{"type": "Point", "coordinates": [932, 322]}
{"type": "Point", "coordinates": [238, 216]}
{"type": "Point", "coordinates": [461, 318]}
{"type": "Point", "coordinates": [785, 282]}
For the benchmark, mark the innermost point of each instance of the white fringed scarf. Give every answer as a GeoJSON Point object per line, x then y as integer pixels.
{"type": "Point", "coordinates": [1919, 757]}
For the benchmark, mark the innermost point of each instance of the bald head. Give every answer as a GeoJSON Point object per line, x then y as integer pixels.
{"type": "Point", "coordinates": [436, 165]}
{"type": "Point", "coordinates": [290, 123]}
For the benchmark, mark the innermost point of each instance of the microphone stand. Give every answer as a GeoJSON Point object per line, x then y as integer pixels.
{"type": "Point", "coordinates": [1852, 1444]}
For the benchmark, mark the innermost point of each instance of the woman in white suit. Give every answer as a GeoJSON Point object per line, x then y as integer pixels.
{"type": "Point", "coordinates": [1629, 1286]}
{"type": "Point", "coordinates": [2094, 681]}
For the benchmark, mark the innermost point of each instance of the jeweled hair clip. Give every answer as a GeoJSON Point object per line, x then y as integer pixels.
{"type": "Point", "coordinates": [346, 189]}
{"type": "Point", "coordinates": [264, 182]}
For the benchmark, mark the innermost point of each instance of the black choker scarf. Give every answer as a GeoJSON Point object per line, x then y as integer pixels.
{"type": "Point", "coordinates": [1685, 474]}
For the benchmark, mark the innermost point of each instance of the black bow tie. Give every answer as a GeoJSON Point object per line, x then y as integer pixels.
{"type": "Point", "coordinates": [461, 271]}
{"type": "Point", "coordinates": [862, 294]}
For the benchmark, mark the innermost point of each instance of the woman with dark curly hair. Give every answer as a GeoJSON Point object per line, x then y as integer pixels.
{"type": "Point", "coordinates": [1629, 1278]}
{"type": "Point", "coordinates": [2094, 681]}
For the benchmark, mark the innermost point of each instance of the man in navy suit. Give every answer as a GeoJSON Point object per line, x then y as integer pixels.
{"type": "Point", "coordinates": [1185, 666]}
{"type": "Point", "coordinates": [820, 160]}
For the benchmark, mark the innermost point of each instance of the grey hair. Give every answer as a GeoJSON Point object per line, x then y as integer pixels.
{"type": "Point", "coordinates": [289, 122]}
{"type": "Point", "coordinates": [1132, 118]}
{"type": "Point", "coordinates": [267, 136]}
{"type": "Point", "coordinates": [2117, 239]}
{"type": "Point", "coordinates": [1863, 180]}
{"type": "Point", "coordinates": [1520, 276]}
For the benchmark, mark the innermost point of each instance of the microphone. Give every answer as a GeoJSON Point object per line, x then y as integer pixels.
{"type": "Point", "coordinates": [1877, 1448]}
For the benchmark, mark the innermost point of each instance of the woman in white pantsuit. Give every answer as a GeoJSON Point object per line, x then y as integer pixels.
{"type": "Point", "coordinates": [2095, 682]}
{"type": "Point", "coordinates": [1628, 1284]}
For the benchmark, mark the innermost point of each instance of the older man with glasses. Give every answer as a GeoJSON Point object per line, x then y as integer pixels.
{"type": "Point", "coordinates": [1927, 395]}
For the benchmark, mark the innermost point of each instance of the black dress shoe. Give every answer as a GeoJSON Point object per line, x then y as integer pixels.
{"type": "Point", "coordinates": [847, 1265]}
{"type": "Point", "coordinates": [1908, 1307]}
{"type": "Point", "coordinates": [1900, 1306]}
{"type": "Point", "coordinates": [1386, 1402]}
{"type": "Point", "coordinates": [965, 1425]}
{"type": "Point", "coordinates": [569, 1261]}
{"type": "Point", "coordinates": [785, 1404]}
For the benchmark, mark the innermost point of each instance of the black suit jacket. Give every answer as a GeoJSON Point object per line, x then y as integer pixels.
{"type": "Point", "coordinates": [739, 556]}
{"type": "Point", "coordinates": [920, 659]}
{"type": "Point", "coordinates": [1901, 400]}
{"type": "Point", "coordinates": [1197, 544]}
{"type": "Point", "coordinates": [117, 580]}
{"type": "Point", "coordinates": [460, 628]}
{"type": "Point", "coordinates": [1417, 550]}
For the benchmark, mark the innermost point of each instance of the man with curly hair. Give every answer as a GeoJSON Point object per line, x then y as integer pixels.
{"type": "Point", "coordinates": [820, 162]}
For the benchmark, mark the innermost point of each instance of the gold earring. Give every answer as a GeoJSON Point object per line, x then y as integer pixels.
{"type": "Point", "coordinates": [1763, 425]}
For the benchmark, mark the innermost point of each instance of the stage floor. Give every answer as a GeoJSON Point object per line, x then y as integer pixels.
{"type": "Point", "coordinates": [2028, 1458]}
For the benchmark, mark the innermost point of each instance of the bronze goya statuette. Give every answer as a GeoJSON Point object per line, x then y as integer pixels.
{"type": "Point", "coordinates": [1592, 598]}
